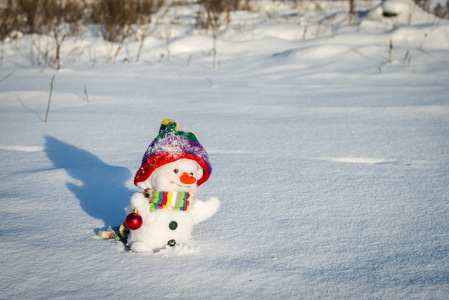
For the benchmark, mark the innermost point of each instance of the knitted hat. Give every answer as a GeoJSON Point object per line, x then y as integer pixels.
{"type": "Point", "coordinates": [169, 146]}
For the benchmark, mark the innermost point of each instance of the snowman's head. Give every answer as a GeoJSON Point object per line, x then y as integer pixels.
{"type": "Point", "coordinates": [179, 176]}
{"type": "Point", "coordinates": [173, 146]}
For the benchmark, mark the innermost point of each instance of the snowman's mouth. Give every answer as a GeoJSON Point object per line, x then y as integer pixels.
{"type": "Point", "coordinates": [180, 185]}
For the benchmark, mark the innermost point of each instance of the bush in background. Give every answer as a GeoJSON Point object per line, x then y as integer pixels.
{"type": "Point", "coordinates": [117, 20]}
{"type": "Point", "coordinates": [8, 20]}
{"type": "Point", "coordinates": [442, 10]}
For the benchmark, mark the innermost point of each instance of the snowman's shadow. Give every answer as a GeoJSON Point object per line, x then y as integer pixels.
{"type": "Point", "coordinates": [102, 191]}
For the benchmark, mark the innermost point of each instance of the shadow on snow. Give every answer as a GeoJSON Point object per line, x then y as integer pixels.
{"type": "Point", "coordinates": [102, 192]}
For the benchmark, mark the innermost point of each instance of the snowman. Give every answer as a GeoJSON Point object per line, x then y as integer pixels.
{"type": "Point", "coordinates": [173, 166]}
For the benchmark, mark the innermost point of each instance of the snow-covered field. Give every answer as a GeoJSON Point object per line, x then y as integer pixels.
{"type": "Point", "coordinates": [330, 157]}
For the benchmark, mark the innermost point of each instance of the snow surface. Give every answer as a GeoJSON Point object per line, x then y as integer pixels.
{"type": "Point", "coordinates": [398, 6]}
{"type": "Point", "coordinates": [330, 158]}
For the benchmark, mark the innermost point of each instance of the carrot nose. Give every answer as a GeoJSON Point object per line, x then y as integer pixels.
{"type": "Point", "coordinates": [186, 179]}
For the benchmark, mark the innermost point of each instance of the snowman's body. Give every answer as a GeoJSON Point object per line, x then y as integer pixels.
{"type": "Point", "coordinates": [167, 227]}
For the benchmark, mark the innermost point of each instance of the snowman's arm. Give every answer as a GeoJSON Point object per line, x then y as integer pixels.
{"type": "Point", "coordinates": [138, 201]}
{"type": "Point", "coordinates": [203, 210]}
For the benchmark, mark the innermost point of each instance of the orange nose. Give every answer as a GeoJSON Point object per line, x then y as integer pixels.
{"type": "Point", "coordinates": [186, 179]}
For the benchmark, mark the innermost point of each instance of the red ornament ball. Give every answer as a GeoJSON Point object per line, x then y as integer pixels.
{"type": "Point", "coordinates": [133, 221]}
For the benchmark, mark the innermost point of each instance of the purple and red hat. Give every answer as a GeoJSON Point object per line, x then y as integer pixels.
{"type": "Point", "coordinates": [170, 145]}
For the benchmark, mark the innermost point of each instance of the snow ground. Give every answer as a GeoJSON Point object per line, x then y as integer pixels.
{"type": "Point", "coordinates": [330, 158]}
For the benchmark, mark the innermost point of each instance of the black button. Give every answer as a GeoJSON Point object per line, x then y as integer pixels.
{"type": "Point", "coordinates": [173, 225]}
{"type": "Point", "coordinates": [171, 243]}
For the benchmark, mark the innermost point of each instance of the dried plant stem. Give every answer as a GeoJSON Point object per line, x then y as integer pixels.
{"type": "Point", "coordinates": [167, 42]}
{"type": "Point", "coordinates": [49, 98]}
{"type": "Point", "coordinates": [85, 94]}
{"type": "Point", "coordinates": [352, 13]}
{"type": "Point", "coordinates": [214, 51]}
{"type": "Point", "coordinates": [6, 77]}
{"type": "Point", "coordinates": [142, 41]}
{"type": "Point", "coordinates": [407, 57]}
{"type": "Point", "coordinates": [117, 52]}
{"type": "Point", "coordinates": [210, 82]}
{"type": "Point", "coordinates": [390, 50]}
{"type": "Point", "coordinates": [189, 60]}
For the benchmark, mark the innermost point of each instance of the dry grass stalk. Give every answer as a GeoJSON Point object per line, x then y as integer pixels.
{"type": "Point", "coordinates": [49, 98]}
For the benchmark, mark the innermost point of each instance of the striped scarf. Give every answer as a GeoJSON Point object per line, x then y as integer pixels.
{"type": "Point", "coordinates": [168, 200]}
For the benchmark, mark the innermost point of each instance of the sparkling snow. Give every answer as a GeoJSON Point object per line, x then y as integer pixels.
{"type": "Point", "coordinates": [330, 157]}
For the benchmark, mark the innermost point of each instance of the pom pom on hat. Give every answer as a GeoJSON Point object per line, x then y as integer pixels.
{"type": "Point", "coordinates": [170, 145]}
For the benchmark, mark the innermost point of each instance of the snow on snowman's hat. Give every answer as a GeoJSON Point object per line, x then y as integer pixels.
{"type": "Point", "coordinates": [170, 145]}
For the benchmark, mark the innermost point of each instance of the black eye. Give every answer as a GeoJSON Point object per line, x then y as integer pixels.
{"type": "Point", "coordinates": [176, 171]}
{"type": "Point", "coordinates": [191, 174]}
